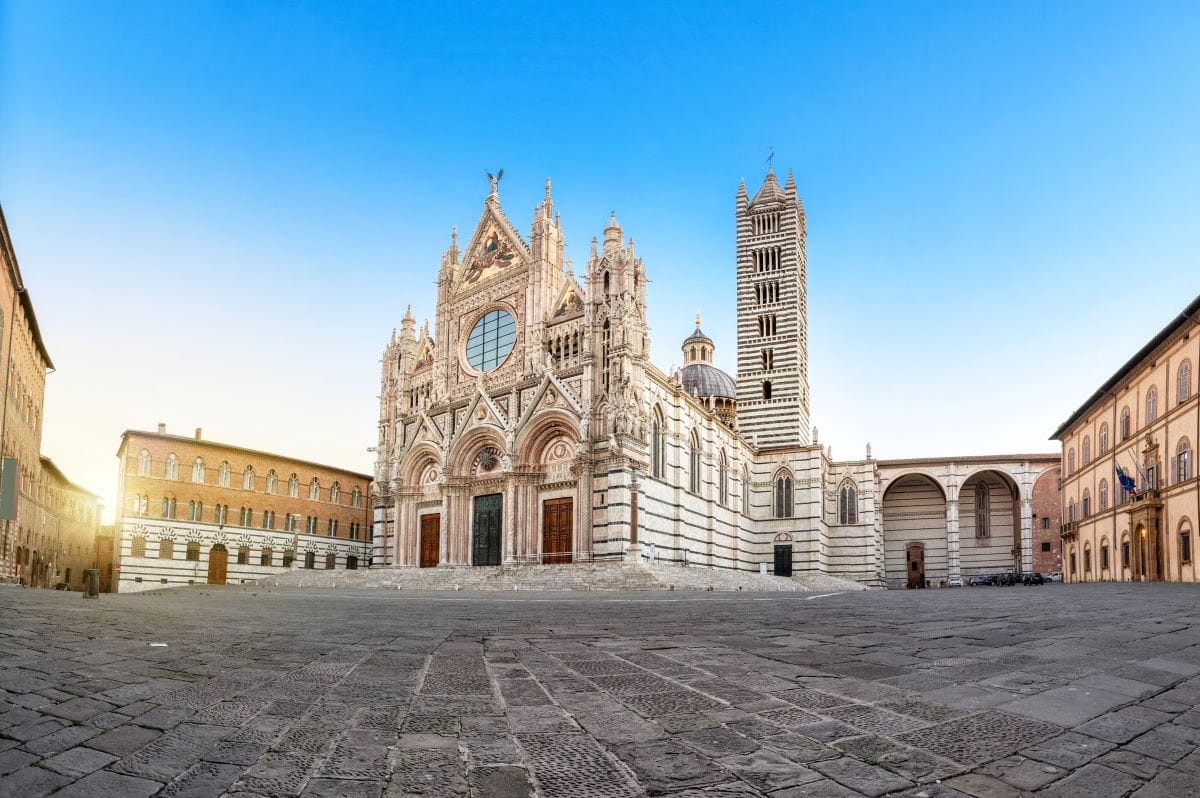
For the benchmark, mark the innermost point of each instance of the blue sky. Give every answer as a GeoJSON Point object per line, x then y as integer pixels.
{"type": "Point", "coordinates": [222, 209]}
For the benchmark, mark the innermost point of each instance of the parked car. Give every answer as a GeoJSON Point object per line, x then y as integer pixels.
{"type": "Point", "coordinates": [1054, 576]}
{"type": "Point", "coordinates": [1033, 579]}
{"type": "Point", "coordinates": [979, 580]}
{"type": "Point", "coordinates": [1007, 580]}
{"type": "Point", "coordinates": [954, 581]}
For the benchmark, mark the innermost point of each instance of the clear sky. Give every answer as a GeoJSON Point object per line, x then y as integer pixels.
{"type": "Point", "coordinates": [221, 209]}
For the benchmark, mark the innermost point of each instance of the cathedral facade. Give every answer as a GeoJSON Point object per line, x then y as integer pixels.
{"type": "Point", "coordinates": [530, 426]}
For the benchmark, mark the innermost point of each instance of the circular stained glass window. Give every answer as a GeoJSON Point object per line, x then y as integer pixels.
{"type": "Point", "coordinates": [491, 340]}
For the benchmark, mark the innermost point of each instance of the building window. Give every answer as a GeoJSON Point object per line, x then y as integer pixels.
{"type": "Point", "coordinates": [293, 486]}
{"type": "Point", "coordinates": [1070, 462]}
{"type": "Point", "coordinates": [311, 525]}
{"type": "Point", "coordinates": [137, 546]}
{"type": "Point", "coordinates": [264, 559]}
{"type": "Point", "coordinates": [1103, 495]}
{"type": "Point", "coordinates": [195, 511]}
{"type": "Point", "coordinates": [1185, 545]}
{"type": "Point", "coordinates": [1046, 522]}
{"type": "Point", "coordinates": [1087, 450]}
{"type": "Point", "coordinates": [354, 530]}
{"type": "Point", "coordinates": [1104, 557]}
{"type": "Point", "coordinates": [1125, 424]}
{"type": "Point", "coordinates": [658, 445]}
{"type": "Point", "coordinates": [1074, 570]}
{"type": "Point", "coordinates": [783, 497]}
{"type": "Point", "coordinates": [351, 562]}
{"type": "Point", "coordinates": [1103, 438]}
{"type": "Point", "coordinates": [289, 522]}
{"type": "Point", "coordinates": [694, 465]}
{"type": "Point", "coordinates": [248, 478]}
{"type": "Point", "coordinates": [223, 475]}
{"type": "Point", "coordinates": [1045, 545]}
{"type": "Point", "coordinates": [268, 519]}
{"type": "Point", "coordinates": [166, 549]}
{"type": "Point", "coordinates": [143, 467]}
{"type": "Point", "coordinates": [310, 559]}
{"type": "Point", "coordinates": [168, 507]}
{"type": "Point", "coordinates": [314, 489]}
{"type": "Point", "coordinates": [243, 557]}
{"type": "Point", "coordinates": [1087, 503]}
{"type": "Point", "coordinates": [847, 504]}
{"type": "Point", "coordinates": [1124, 553]}
{"type": "Point", "coordinates": [330, 561]}
{"type": "Point", "coordinates": [246, 517]}
{"type": "Point", "coordinates": [745, 492]}
{"type": "Point", "coordinates": [1151, 404]}
{"type": "Point", "coordinates": [220, 513]}
{"type": "Point", "coordinates": [983, 509]}
{"type": "Point", "coordinates": [172, 468]}
{"type": "Point", "coordinates": [332, 528]}
{"type": "Point", "coordinates": [1087, 559]}
{"type": "Point", "coordinates": [1152, 474]}
{"type": "Point", "coordinates": [766, 388]}
{"type": "Point", "coordinates": [768, 359]}
{"type": "Point", "coordinates": [1184, 387]}
{"type": "Point", "coordinates": [198, 470]}
{"type": "Point", "coordinates": [722, 481]}
{"type": "Point", "coordinates": [289, 557]}
{"type": "Point", "coordinates": [272, 479]}
{"type": "Point", "coordinates": [356, 498]}
{"type": "Point", "coordinates": [335, 493]}
{"type": "Point", "coordinates": [1183, 461]}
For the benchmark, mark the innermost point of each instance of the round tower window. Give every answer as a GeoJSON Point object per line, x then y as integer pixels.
{"type": "Point", "coordinates": [491, 340]}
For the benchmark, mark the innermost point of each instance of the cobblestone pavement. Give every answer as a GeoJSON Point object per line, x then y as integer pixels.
{"type": "Point", "coordinates": [987, 692]}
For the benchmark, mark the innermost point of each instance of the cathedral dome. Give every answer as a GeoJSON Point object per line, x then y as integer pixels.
{"type": "Point", "coordinates": [701, 379]}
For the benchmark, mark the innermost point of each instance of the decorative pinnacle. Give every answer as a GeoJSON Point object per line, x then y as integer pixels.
{"type": "Point", "coordinates": [697, 318]}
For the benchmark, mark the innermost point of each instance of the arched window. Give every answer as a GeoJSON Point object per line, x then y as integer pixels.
{"type": "Point", "coordinates": [694, 463]}
{"type": "Point", "coordinates": [1125, 423]}
{"type": "Point", "coordinates": [137, 546]}
{"type": "Point", "coordinates": [272, 480]}
{"type": "Point", "coordinates": [1071, 510]}
{"type": "Point", "coordinates": [172, 469]}
{"type": "Point", "coordinates": [166, 549]}
{"type": "Point", "coordinates": [1184, 387]}
{"type": "Point", "coordinates": [847, 503]}
{"type": "Point", "coordinates": [243, 555]}
{"type": "Point", "coordinates": [1104, 437]}
{"type": "Point", "coordinates": [1087, 503]}
{"type": "Point", "coordinates": [766, 386]}
{"type": "Point", "coordinates": [1151, 404]}
{"type": "Point", "coordinates": [356, 498]}
{"type": "Point", "coordinates": [220, 513]}
{"type": "Point", "coordinates": [293, 486]}
{"type": "Point", "coordinates": [783, 496]}
{"type": "Point", "coordinates": [1087, 559]}
{"type": "Point", "coordinates": [333, 527]}
{"type": "Point", "coordinates": [1152, 474]}
{"type": "Point", "coordinates": [722, 480]}
{"type": "Point", "coordinates": [1070, 462]}
{"type": "Point", "coordinates": [248, 478]}
{"type": "Point", "coordinates": [1183, 461]}
{"type": "Point", "coordinates": [264, 559]}
{"type": "Point", "coordinates": [1104, 554]}
{"type": "Point", "coordinates": [195, 511]}
{"type": "Point", "coordinates": [658, 445]}
{"type": "Point", "coordinates": [745, 492]}
{"type": "Point", "coordinates": [1086, 451]}
{"type": "Point", "coordinates": [335, 493]}
{"type": "Point", "coordinates": [193, 550]}
{"type": "Point", "coordinates": [1103, 490]}
{"type": "Point", "coordinates": [314, 489]}
{"type": "Point", "coordinates": [144, 463]}
{"type": "Point", "coordinates": [1185, 541]}
{"type": "Point", "coordinates": [223, 475]}
{"type": "Point", "coordinates": [268, 519]}
{"type": "Point", "coordinates": [198, 470]}
{"type": "Point", "coordinates": [168, 506]}
{"type": "Point", "coordinates": [983, 509]}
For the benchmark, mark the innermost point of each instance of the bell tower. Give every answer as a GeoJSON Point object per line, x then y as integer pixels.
{"type": "Point", "coordinates": [772, 307]}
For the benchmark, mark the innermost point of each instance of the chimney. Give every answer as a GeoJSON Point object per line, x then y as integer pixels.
{"type": "Point", "coordinates": [162, 429]}
{"type": "Point", "coordinates": [197, 433]}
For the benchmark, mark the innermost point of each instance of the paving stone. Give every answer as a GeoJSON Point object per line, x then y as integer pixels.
{"type": "Point", "coordinates": [980, 785]}
{"type": "Point", "coordinates": [123, 740]}
{"type": "Point", "coordinates": [104, 783]}
{"type": "Point", "coordinates": [502, 781]}
{"type": "Point", "coordinates": [32, 782]}
{"type": "Point", "coordinates": [12, 760]}
{"type": "Point", "coordinates": [202, 780]}
{"type": "Point", "coordinates": [1023, 773]}
{"type": "Point", "coordinates": [61, 740]}
{"type": "Point", "coordinates": [426, 772]}
{"type": "Point", "coordinates": [339, 788]}
{"type": "Point", "coordinates": [1124, 724]}
{"type": "Point", "coordinates": [1170, 784]}
{"type": "Point", "coordinates": [78, 761]}
{"type": "Point", "coordinates": [767, 770]}
{"type": "Point", "coordinates": [1093, 781]}
{"type": "Point", "coordinates": [667, 765]}
{"type": "Point", "coordinates": [78, 709]}
{"type": "Point", "coordinates": [867, 779]}
{"type": "Point", "coordinates": [1068, 751]}
{"type": "Point", "coordinates": [822, 788]}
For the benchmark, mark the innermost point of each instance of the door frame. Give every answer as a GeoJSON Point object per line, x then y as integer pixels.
{"type": "Point", "coordinates": [499, 540]}
{"type": "Point", "coordinates": [560, 558]}
{"type": "Point", "coordinates": [908, 563]}
{"type": "Point", "coordinates": [218, 548]}
{"type": "Point", "coordinates": [436, 519]}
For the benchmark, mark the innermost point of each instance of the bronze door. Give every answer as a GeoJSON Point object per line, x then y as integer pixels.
{"type": "Point", "coordinates": [556, 531]}
{"type": "Point", "coordinates": [783, 559]}
{"type": "Point", "coordinates": [916, 566]}
{"type": "Point", "coordinates": [218, 564]}
{"type": "Point", "coordinates": [430, 539]}
{"type": "Point", "coordinates": [488, 530]}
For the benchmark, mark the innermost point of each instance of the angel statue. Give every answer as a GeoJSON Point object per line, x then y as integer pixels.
{"type": "Point", "coordinates": [495, 180]}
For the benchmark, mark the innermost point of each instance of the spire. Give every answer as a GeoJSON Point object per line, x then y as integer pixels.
{"type": "Point", "coordinates": [408, 316]}
{"type": "Point", "coordinates": [593, 248]}
{"type": "Point", "coordinates": [612, 233]}
{"type": "Point", "coordinates": [791, 182]}
{"type": "Point", "coordinates": [406, 325]}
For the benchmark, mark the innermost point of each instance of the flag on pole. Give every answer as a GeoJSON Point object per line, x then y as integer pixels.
{"type": "Point", "coordinates": [1123, 477]}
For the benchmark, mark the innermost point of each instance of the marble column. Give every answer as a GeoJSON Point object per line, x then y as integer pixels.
{"type": "Point", "coordinates": [953, 560]}
{"type": "Point", "coordinates": [1026, 534]}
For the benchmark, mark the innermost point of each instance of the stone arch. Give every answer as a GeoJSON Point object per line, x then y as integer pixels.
{"type": "Point", "coordinates": [544, 432]}
{"type": "Point", "coordinates": [989, 511]}
{"type": "Point", "coordinates": [914, 514]}
{"type": "Point", "coordinates": [418, 460]}
{"type": "Point", "coordinates": [471, 444]}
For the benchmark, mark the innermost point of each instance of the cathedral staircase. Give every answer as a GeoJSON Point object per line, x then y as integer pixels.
{"type": "Point", "coordinates": [575, 577]}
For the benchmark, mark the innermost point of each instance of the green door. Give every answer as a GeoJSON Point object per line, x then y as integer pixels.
{"type": "Point", "coordinates": [487, 531]}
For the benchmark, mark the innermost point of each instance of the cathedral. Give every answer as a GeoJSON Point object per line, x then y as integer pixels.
{"type": "Point", "coordinates": [530, 426]}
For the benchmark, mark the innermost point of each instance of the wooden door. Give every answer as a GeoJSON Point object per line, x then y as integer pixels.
{"type": "Point", "coordinates": [557, 540]}
{"type": "Point", "coordinates": [430, 540]}
{"type": "Point", "coordinates": [783, 559]}
{"type": "Point", "coordinates": [916, 566]}
{"type": "Point", "coordinates": [218, 564]}
{"type": "Point", "coordinates": [487, 531]}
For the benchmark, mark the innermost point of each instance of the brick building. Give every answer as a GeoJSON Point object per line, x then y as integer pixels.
{"type": "Point", "coordinates": [1047, 522]}
{"type": "Point", "coordinates": [192, 511]}
{"type": "Point", "coordinates": [70, 522]}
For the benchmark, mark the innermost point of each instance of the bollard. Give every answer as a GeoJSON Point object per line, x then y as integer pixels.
{"type": "Point", "coordinates": [91, 583]}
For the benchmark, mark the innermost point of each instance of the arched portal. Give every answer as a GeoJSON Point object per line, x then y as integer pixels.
{"type": "Point", "coordinates": [914, 514]}
{"type": "Point", "coordinates": [218, 564]}
{"type": "Point", "coordinates": [989, 524]}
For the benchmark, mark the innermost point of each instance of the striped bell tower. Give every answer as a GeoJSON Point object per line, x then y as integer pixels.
{"type": "Point", "coordinates": [772, 305]}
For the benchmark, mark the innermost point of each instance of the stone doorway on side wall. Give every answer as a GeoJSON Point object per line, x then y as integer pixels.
{"type": "Point", "coordinates": [915, 560]}
{"type": "Point", "coordinates": [218, 564]}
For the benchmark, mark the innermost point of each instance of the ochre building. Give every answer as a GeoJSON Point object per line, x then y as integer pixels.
{"type": "Point", "coordinates": [1145, 420]}
{"type": "Point", "coordinates": [531, 425]}
{"type": "Point", "coordinates": [69, 524]}
{"type": "Point", "coordinates": [193, 511]}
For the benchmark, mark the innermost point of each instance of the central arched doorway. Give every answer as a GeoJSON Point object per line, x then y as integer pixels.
{"type": "Point", "coordinates": [914, 557]}
{"type": "Point", "coordinates": [218, 564]}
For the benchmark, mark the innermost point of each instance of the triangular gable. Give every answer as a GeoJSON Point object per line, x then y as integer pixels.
{"type": "Point", "coordinates": [565, 399]}
{"type": "Point", "coordinates": [485, 407]}
{"type": "Point", "coordinates": [495, 249]}
{"type": "Point", "coordinates": [569, 302]}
